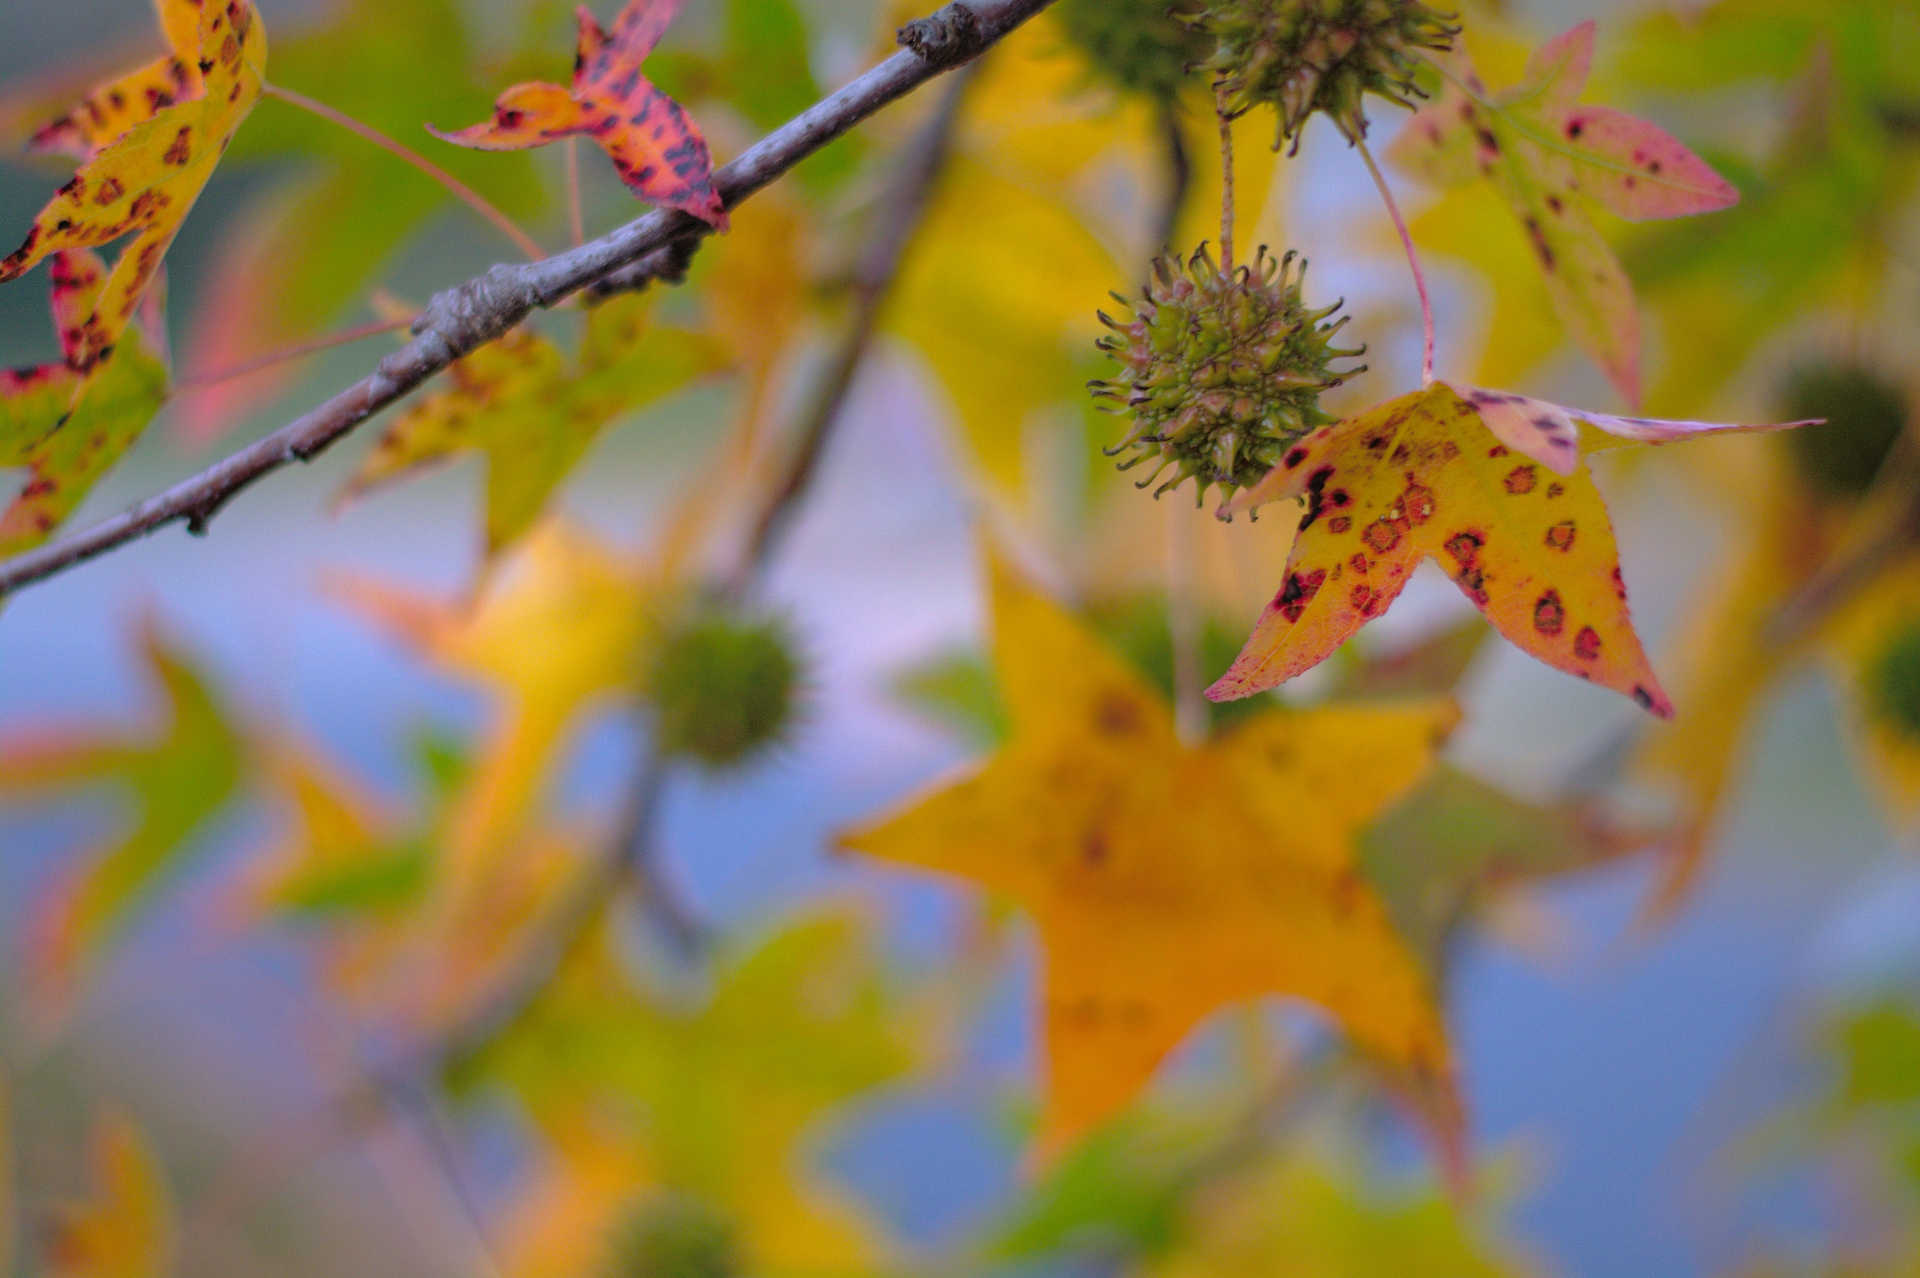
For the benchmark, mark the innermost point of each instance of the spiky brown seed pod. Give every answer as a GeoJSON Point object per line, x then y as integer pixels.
{"type": "Point", "coordinates": [1220, 371]}
{"type": "Point", "coordinates": [1138, 45]}
{"type": "Point", "coordinates": [1303, 56]}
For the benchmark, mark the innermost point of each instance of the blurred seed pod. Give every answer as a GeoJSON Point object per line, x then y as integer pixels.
{"type": "Point", "coordinates": [670, 1235]}
{"type": "Point", "coordinates": [724, 686]}
{"type": "Point", "coordinates": [1137, 45]}
{"type": "Point", "coordinates": [1866, 414]}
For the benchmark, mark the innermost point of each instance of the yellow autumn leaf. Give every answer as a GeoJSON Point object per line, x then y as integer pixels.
{"type": "Point", "coordinates": [1168, 881]}
{"type": "Point", "coordinates": [148, 143]}
{"type": "Point", "coordinates": [638, 1098]}
{"type": "Point", "coordinates": [533, 413]}
{"type": "Point", "coordinates": [559, 631]}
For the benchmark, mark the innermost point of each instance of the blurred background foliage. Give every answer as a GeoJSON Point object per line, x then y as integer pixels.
{"type": "Point", "coordinates": [319, 962]}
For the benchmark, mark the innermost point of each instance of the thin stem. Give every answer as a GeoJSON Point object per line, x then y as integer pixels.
{"type": "Point", "coordinates": [454, 186]}
{"type": "Point", "coordinates": [1183, 628]}
{"type": "Point", "coordinates": [215, 377]}
{"type": "Point", "coordinates": [576, 218]}
{"type": "Point", "coordinates": [1226, 189]}
{"type": "Point", "coordinates": [1179, 175]}
{"type": "Point", "coordinates": [1413, 261]}
{"type": "Point", "coordinates": [874, 275]}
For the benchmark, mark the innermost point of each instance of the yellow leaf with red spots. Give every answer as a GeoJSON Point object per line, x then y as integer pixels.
{"type": "Point", "coordinates": [1168, 881]}
{"type": "Point", "coordinates": [1547, 155]}
{"type": "Point", "coordinates": [148, 143]}
{"type": "Point", "coordinates": [67, 447]}
{"type": "Point", "coordinates": [125, 1230]}
{"type": "Point", "coordinates": [658, 150]}
{"type": "Point", "coordinates": [533, 413]}
{"type": "Point", "coordinates": [1488, 485]}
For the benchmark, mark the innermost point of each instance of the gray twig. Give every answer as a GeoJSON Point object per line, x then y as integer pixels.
{"type": "Point", "coordinates": [463, 318]}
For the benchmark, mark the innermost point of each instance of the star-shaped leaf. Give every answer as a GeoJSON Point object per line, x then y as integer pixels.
{"type": "Point", "coordinates": [715, 1100]}
{"type": "Point", "coordinates": [148, 143]}
{"type": "Point", "coordinates": [65, 447]}
{"type": "Point", "coordinates": [1168, 881]}
{"type": "Point", "coordinates": [1455, 475]}
{"type": "Point", "coordinates": [560, 630]}
{"type": "Point", "coordinates": [658, 150]}
{"type": "Point", "coordinates": [533, 413]}
{"type": "Point", "coordinates": [173, 779]}
{"type": "Point", "coordinates": [1547, 155]}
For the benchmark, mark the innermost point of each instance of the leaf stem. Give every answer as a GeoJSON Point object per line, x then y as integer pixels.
{"type": "Point", "coordinates": [1413, 261]}
{"type": "Point", "coordinates": [1179, 177]}
{"type": "Point", "coordinates": [1226, 185]}
{"type": "Point", "coordinates": [215, 377]}
{"type": "Point", "coordinates": [454, 186]}
{"type": "Point", "coordinates": [576, 220]}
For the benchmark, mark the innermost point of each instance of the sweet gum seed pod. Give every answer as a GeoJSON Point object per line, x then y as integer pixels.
{"type": "Point", "coordinates": [1866, 414]}
{"type": "Point", "coordinates": [671, 1235]}
{"type": "Point", "coordinates": [1137, 45]}
{"type": "Point", "coordinates": [1303, 56]}
{"type": "Point", "coordinates": [1891, 681]}
{"type": "Point", "coordinates": [1219, 372]}
{"type": "Point", "coordinates": [724, 687]}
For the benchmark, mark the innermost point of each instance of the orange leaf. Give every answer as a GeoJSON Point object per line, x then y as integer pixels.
{"type": "Point", "coordinates": [658, 150]}
{"type": "Point", "coordinates": [1455, 475]}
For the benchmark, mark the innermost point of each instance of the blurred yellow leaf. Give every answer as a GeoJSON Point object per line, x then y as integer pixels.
{"type": "Point", "coordinates": [559, 631]}
{"type": "Point", "coordinates": [533, 413]}
{"type": "Point", "coordinates": [714, 1100]}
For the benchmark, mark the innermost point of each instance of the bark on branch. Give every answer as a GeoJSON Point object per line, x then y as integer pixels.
{"type": "Point", "coordinates": [463, 318]}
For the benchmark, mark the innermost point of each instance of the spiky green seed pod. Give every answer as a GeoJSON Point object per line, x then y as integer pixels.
{"type": "Point", "coordinates": [1303, 56]}
{"type": "Point", "coordinates": [1892, 682]}
{"type": "Point", "coordinates": [1220, 372]}
{"type": "Point", "coordinates": [1138, 45]}
{"type": "Point", "coordinates": [1866, 414]}
{"type": "Point", "coordinates": [724, 687]}
{"type": "Point", "coordinates": [672, 1236]}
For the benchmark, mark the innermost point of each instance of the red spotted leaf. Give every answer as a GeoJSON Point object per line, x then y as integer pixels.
{"type": "Point", "coordinates": [657, 148]}
{"type": "Point", "coordinates": [1487, 485]}
{"type": "Point", "coordinates": [65, 446]}
{"type": "Point", "coordinates": [148, 143]}
{"type": "Point", "coordinates": [1547, 156]}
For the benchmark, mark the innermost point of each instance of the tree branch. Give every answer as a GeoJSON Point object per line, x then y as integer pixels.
{"type": "Point", "coordinates": [464, 318]}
